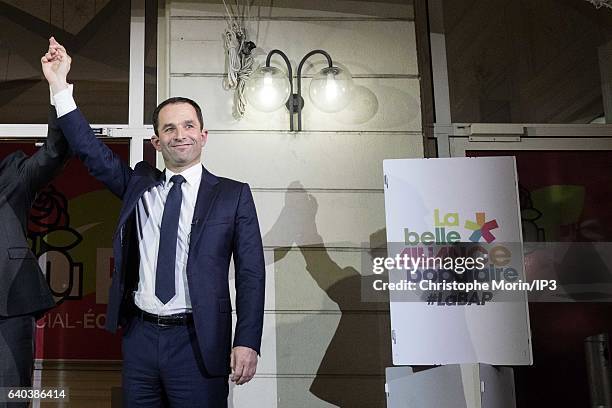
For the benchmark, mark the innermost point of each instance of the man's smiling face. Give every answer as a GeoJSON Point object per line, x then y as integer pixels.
{"type": "Point", "coordinates": [180, 138]}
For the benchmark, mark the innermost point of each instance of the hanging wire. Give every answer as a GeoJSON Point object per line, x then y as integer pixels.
{"type": "Point", "coordinates": [238, 52]}
{"type": "Point", "coordinates": [229, 13]}
{"type": "Point", "coordinates": [601, 3]}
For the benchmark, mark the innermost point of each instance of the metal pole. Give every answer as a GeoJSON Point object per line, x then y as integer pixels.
{"type": "Point", "coordinates": [299, 79]}
{"type": "Point", "coordinates": [597, 353]}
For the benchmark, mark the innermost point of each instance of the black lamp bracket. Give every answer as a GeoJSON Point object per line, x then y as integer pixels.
{"type": "Point", "coordinates": [295, 103]}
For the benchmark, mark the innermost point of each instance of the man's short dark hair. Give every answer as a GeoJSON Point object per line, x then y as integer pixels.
{"type": "Point", "coordinates": [176, 99]}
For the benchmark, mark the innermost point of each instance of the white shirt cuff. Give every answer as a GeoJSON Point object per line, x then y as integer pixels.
{"type": "Point", "coordinates": [63, 101]}
{"type": "Point", "coordinates": [51, 100]}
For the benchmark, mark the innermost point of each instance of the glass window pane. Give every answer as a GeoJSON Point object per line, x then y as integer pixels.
{"type": "Point", "coordinates": [150, 85]}
{"type": "Point", "coordinates": [96, 33]}
{"type": "Point", "coordinates": [525, 61]}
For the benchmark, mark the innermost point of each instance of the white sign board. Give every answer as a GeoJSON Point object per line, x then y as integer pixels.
{"type": "Point", "coordinates": [457, 201]}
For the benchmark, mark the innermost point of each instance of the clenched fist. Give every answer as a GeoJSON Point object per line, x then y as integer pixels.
{"type": "Point", "coordinates": [56, 65]}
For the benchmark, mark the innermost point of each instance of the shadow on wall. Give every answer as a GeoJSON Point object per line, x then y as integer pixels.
{"type": "Point", "coordinates": [382, 107]}
{"type": "Point", "coordinates": [351, 368]}
{"type": "Point", "coordinates": [362, 107]}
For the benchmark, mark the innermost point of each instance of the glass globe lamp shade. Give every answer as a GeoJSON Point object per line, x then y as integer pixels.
{"type": "Point", "coordinates": [267, 89]}
{"type": "Point", "coordinates": [330, 89]}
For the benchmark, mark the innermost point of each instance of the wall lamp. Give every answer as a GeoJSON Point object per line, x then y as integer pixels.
{"type": "Point", "coordinates": [269, 88]}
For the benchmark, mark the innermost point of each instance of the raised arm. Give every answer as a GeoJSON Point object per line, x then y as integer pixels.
{"type": "Point", "coordinates": [40, 168]}
{"type": "Point", "coordinates": [101, 162]}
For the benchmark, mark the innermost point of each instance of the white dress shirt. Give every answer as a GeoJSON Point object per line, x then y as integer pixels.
{"type": "Point", "coordinates": [150, 209]}
{"type": "Point", "coordinates": [149, 212]}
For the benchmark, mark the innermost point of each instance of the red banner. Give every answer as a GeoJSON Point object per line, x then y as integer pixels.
{"type": "Point", "coordinates": [70, 231]}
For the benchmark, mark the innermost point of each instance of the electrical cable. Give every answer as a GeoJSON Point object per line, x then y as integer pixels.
{"type": "Point", "coordinates": [601, 3]}
{"type": "Point", "coordinates": [239, 59]}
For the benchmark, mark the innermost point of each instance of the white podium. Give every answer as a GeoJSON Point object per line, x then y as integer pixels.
{"type": "Point", "coordinates": [451, 386]}
{"type": "Point", "coordinates": [474, 200]}
{"type": "Point", "coordinates": [431, 205]}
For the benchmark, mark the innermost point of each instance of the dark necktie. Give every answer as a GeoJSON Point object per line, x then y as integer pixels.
{"type": "Point", "coordinates": [166, 256]}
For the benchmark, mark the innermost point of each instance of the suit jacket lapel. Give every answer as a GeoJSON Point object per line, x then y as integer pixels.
{"type": "Point", "coordinates": [207, 195]}
{"type": "Point", "coordinates": [141, 184]}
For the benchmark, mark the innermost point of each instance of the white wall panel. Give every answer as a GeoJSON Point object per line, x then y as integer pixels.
{"type": "Point", "coordinates": [317, 160]}
{"type": "Point", "coordinates": [291, 285]}
{"type": "Point", "coordinates": [296, 343]}
{"type": "Point", "coordinates": [297, 347]}
{"type": "Point", "coordinates": [378, 104]}
{"type": "Point", "coordinates": [353, 392]}
{"type": "Point", "coordinates": [364, 47]}
{"type": "Point", "coordinates": [334, 218]}
{"type": "Point", "coordinates": [332, 344]}
{"type": "Point", "coordinates": [260, 392]}
{"type": "Point", "coordinates": [310, 279]}
{"type": "Point", "coordinates": [295, 392]}
{"type": "Point", "coordinates": [298, 8]}
{"type": "Point", "coordinates": [198, 56]}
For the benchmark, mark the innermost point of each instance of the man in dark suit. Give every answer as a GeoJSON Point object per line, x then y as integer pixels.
{"type": "Point", "coordinates": [24, 292]}
{"type": "Point", "coordinates": [177, 232]}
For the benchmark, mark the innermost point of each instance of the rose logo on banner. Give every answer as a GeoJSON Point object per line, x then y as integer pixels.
{"type": "Point", "coordinates": [51, 238]}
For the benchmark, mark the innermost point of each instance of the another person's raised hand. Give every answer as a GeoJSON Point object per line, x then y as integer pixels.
{"type": "Point", "coordinates": [56, 65]}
